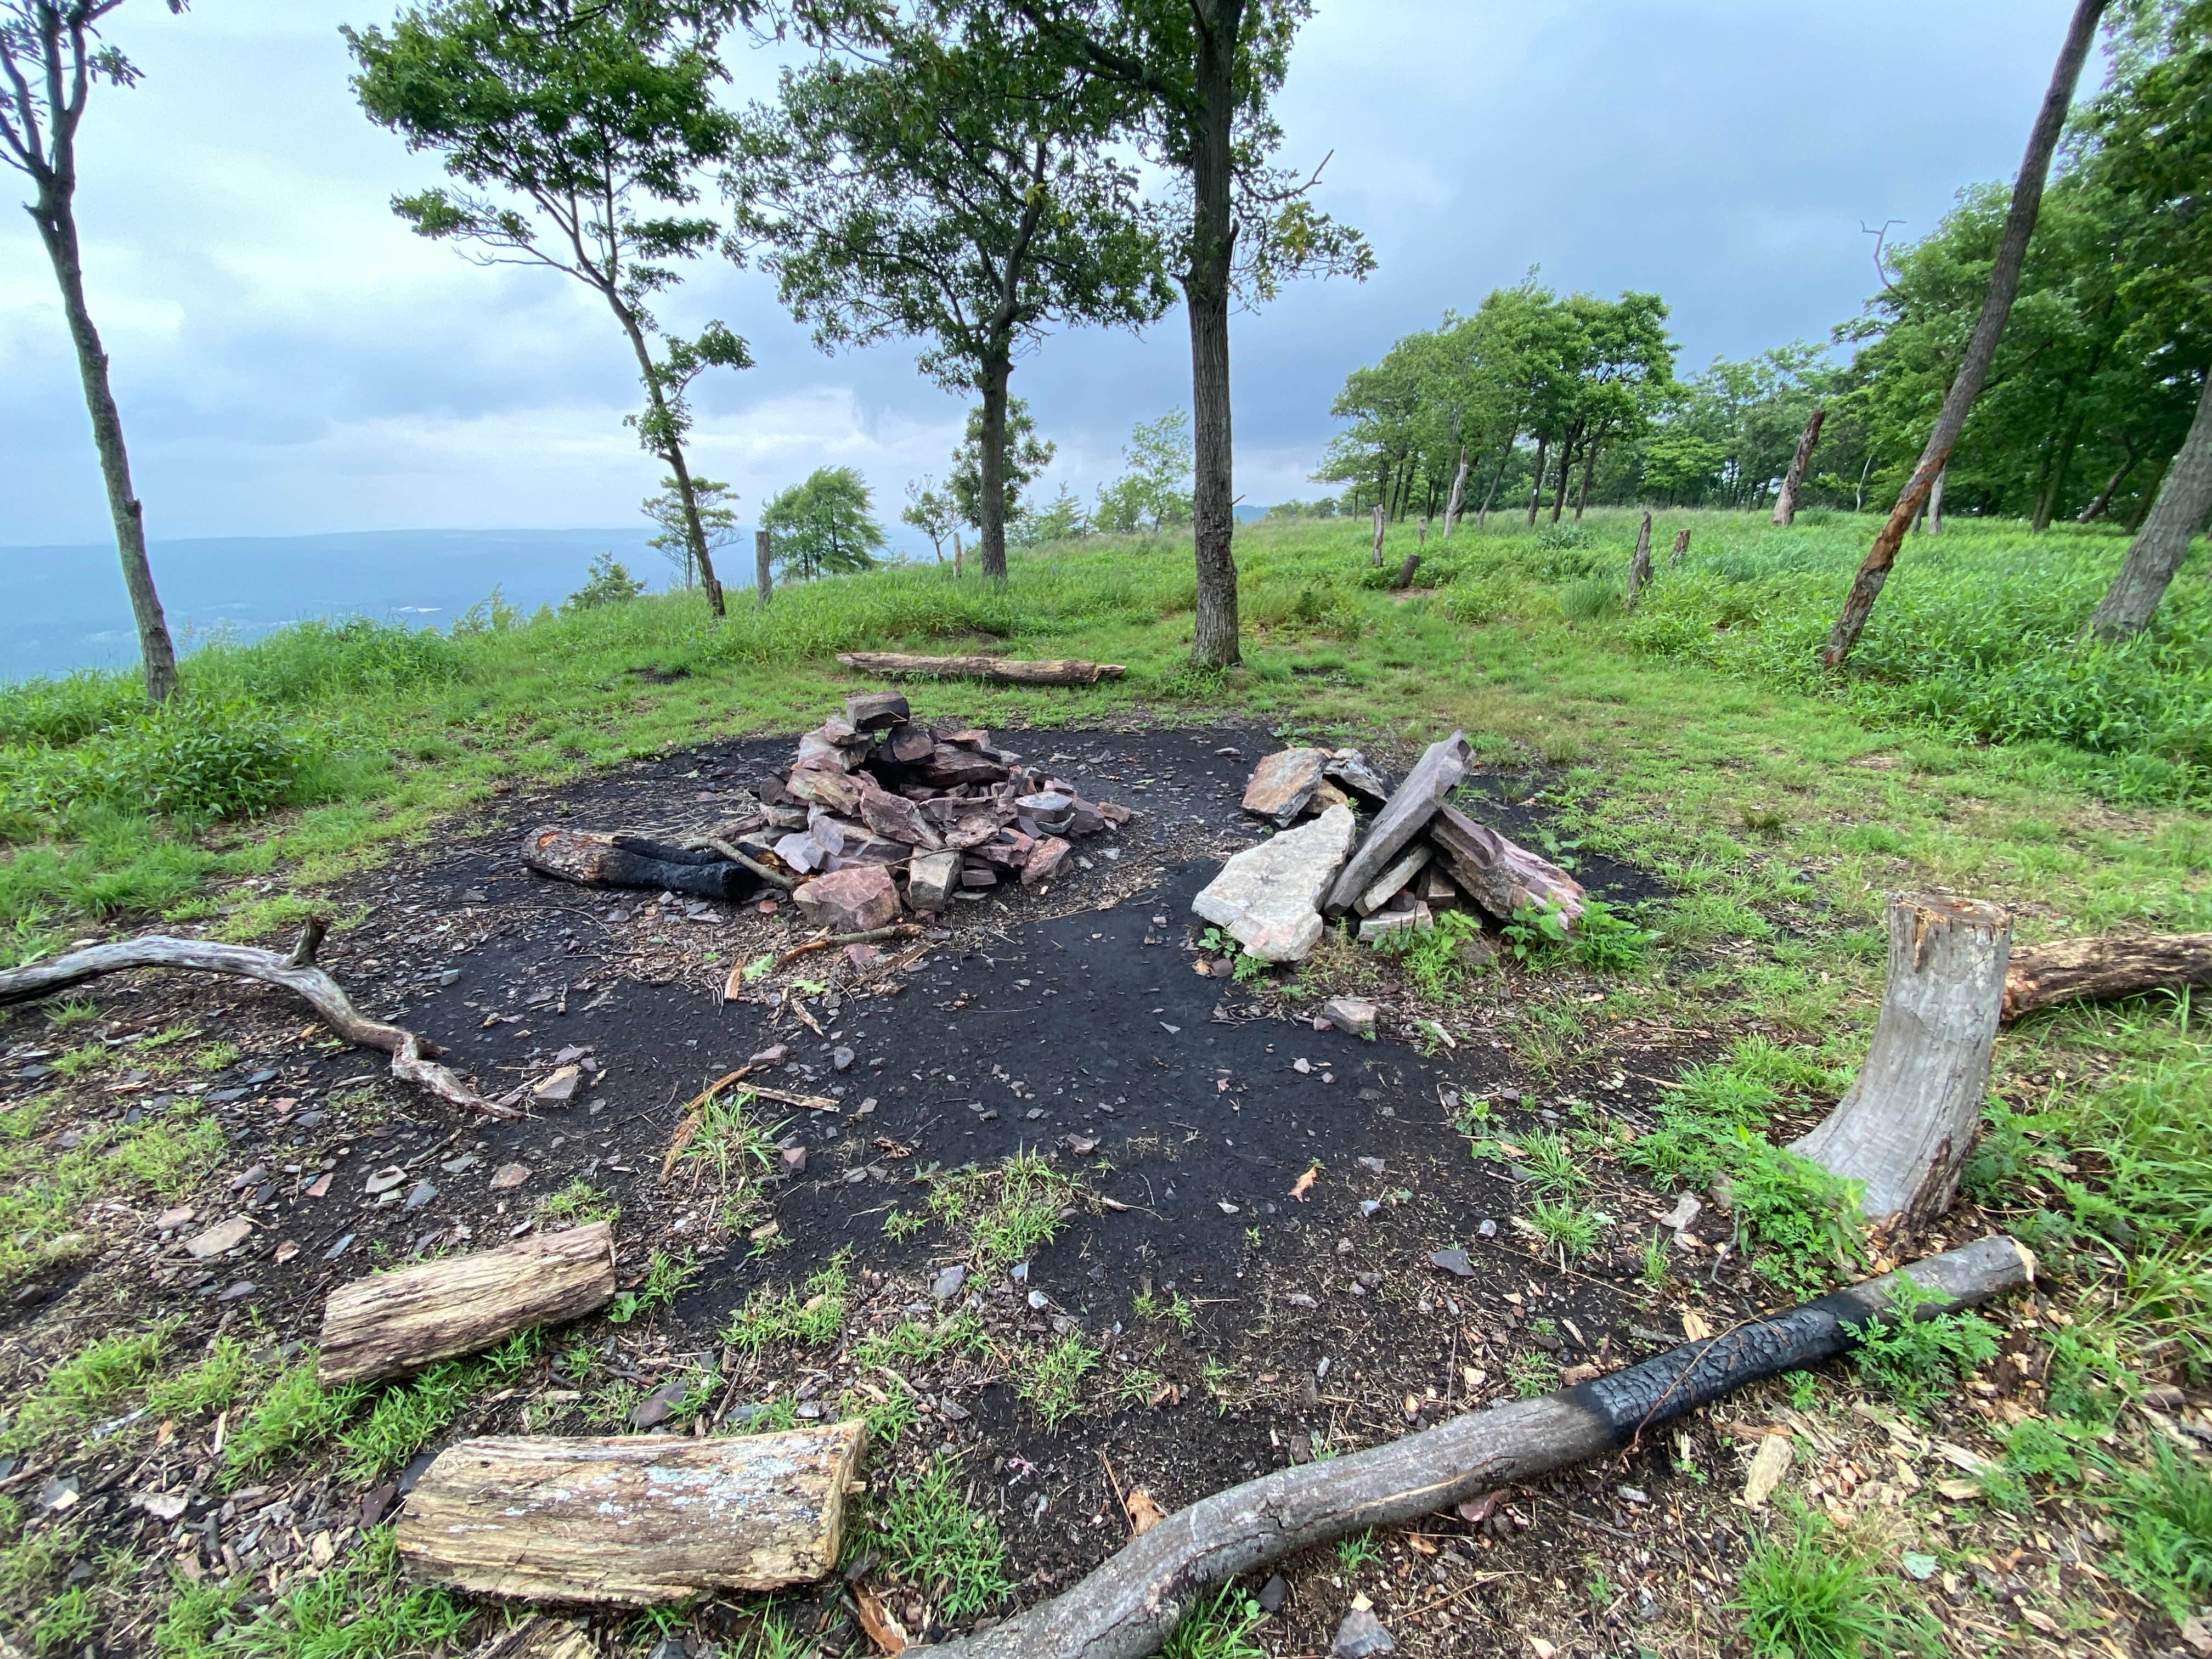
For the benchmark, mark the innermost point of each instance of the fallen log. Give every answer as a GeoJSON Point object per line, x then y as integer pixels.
{"type": "Point", "coordinates": [593, 858]}
{"type": "Point", "coordinates": [413, 1056]}
{"type": "Point", "coordinates": [1006, 671]}
{"type": "Point", "coordinates": [635, 1519]}
{"type": "Point", "coordinates": [1128, 1606]}
{"type": "Point", "coordinates": [2040, 977]}
{"type": "Point", "coordinates": [390, 1324]}
{"type": "Point", "coordinates": [1434, 776]}
{"type": "Point", "coordinates": [1503, 877]}
{"type": "Point", "coordinates": [1904, 1128]}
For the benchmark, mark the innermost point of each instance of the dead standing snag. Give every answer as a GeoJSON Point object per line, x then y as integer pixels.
{"type": "Point", "coordinates": [1126, 1609]}
{"type": "Point", "coordinates": [1904, 1127]}
{"type": "Point", "coordinates": [412, 1057]}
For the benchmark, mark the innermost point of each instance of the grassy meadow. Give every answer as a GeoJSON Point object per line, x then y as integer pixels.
{"type": "Point", "coordinates": [1973, 747]}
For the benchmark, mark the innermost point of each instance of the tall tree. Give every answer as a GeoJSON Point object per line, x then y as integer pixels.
{"type": "Point", "coordinates": [51, 55]}
{"type": "Point", "coordinates": [1022, 456]}
{"type": "Point", "coordinates": [716, 504]}
{"type": "Point", "coordinates": [579, 127]}
{"type": "Point", "coordinates": [1981, 346]}
{"type": "Point", "coordinates": [1194, 79]}
{"type": "Point", "coordinates": [956, 185]}
{"type": "Point", "coordinates": [929, 513]}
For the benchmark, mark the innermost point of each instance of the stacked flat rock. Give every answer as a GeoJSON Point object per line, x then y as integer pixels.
{"type": "Point", "coordinates": [1416, 854]}
{"type": "Point", "coordinates": [875, 798]}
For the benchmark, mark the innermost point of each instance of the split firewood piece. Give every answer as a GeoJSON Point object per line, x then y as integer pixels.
{"type": "Point", "coordinates": [1502, 876]}
{"type": "Point", "coordinates": [1126, 1608]}
{"type": "Point", "coordinates": [1008, 670]}
{"type": "Point", "coordinates": [592, 858]}
{"type": "Point", "coordinates": [539, 1637]}
{"type": "Point", "coordinates": [1434, 776]}
{"type": "Point", "coordinates": [1904, 1127]}
{"type": "Point", "coordinates": [413, 1057]}
{"type": "Point", "coordinates": [2099, 970]}
{"type": "Point", "coordinates": [390, 1324]}
{"type": "Point", "coordinates": [634, 1519]}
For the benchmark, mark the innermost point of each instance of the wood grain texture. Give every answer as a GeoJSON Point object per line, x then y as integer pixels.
{"type": "Point", "coordinates": [1007, 671]}
{"type": "Point", "coordinates": [1128, 1607]}
{"type": "Point", "coordinates": [539, 1637]}
{"type": "Point", "coordinates": [2098, 970]}
{"type": "Point", "coordinates": [634, 1519]}
{"type": "Point", "coordinates": [392, 1323]}
{"type": "Point", "coordinates": [1904, 1127]}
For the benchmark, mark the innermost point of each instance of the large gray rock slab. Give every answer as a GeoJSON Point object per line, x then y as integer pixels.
{"type": "Point", "coordinates": [1268, 896]}
{"type": "Point", "coordinates": [1434, 775]}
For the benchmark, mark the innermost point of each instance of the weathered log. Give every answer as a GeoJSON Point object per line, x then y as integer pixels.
{"type": "Point", "coordinates": [1905, 1125]}
{"type": "Point", "coordinates": [1639, 567]}
{"type": "Point", "coordinates": [1128, 1606]}
{"type": "Point", "coordinates": [635, 1519]}
{"type": "Point", "coordinates": [1407, 566]}
{"type": "Point", "coordinates": [413, 1057]}
{"type": "Point", "coordinates": [1007, 671]}
{"type": "Point", "coordinates": [2099, 970]}
{"type": "Point", "coordinates": [1434, 776]}
{"type": "Point", "coordinates": [389, 1324]}
{"type": "Point", "coordinates": [1502, 876]}
{"type": "Point", "coordinates": [594, 858]}
{"type": "Point", "coordinates": [540, 1635]}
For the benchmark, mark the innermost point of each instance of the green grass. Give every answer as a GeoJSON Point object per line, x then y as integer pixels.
{"type": "Point", "coordinates": [1815, 1593]}
{"type": "Point", "coordinates": [1222, 1625]}
{"type": "Point", "coordinates": [87, 1387]}
{"type": "Point", "coordinates": [1005, 1212]}
{"type": "Point", "coordinates": [578, 1203]}
{"type": "Point", "coordinates": [1051, 1379]}
{"type": "Point", "coordinates": [362, 1608]}
{"type": "Point", "coordinates": [667, 1275]}
{"type": "Point", "coordinates": [1917, 1359]}
{"type": "Point", "coordinates": [808, 1316]}
{"type": "Point", "coordinates": [296, 1417]}
{"type": "Point", "coordinates": [913, 1342]}
{"type": "Point", "coordinates": [927, 1532]}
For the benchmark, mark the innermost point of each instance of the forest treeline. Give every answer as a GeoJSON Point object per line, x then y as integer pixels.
{"type": "Point", "coordinates": [2099, 369]}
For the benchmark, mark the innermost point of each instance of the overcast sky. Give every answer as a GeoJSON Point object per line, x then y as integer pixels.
{"type": "Point", "coordinates": [290, 358]}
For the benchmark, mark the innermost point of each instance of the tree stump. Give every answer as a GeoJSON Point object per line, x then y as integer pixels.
{"type": "Point", "coordinates": [634, 1519]}
{"type": "Point", "coordinates": [389, 1324]}
{"type": "Point", "coordinates": [1907, 1124]}
{"type": "Point", "coordinates": [1639, 567]}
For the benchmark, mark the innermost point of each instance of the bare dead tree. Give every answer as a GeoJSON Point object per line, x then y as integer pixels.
{"type": "Point", "coordinates": [1785, 503]}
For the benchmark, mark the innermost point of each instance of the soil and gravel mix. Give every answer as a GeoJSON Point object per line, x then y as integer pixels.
{"type": "Point", "coordinates": [1124, 1228]}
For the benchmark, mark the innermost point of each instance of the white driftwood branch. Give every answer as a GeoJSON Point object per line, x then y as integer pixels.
{"type": "Point", "coordinates": [1128, 1606]}
{"type": "Point", "coordinates": [413, 1057]}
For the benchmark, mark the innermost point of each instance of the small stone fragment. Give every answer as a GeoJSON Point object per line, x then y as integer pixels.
{"type": "Point", "coordinates": [1360, 1636]}
{"type": "Point", "coordinates": [1452, 1260]}
{"type": "Point", "coordinates": [558, 1087]}
{"type": "Point", "coordinates": [1353, 1016]}
{"type": "Point", "coordinates": [384, 1180]}
{"type": "Point", "coordinates": [509, 1176]}
{"type": "Point", "coordinates": [1274, 1594]}
{"type": "Point", "coordinates": [948, 1282]}
{"type": "Point", "coordinates": [224, 1236]}
{"type": "Point", "coordinates": [1768, 1465]}
{"type": "Point", "coordinates": [421, 1193]}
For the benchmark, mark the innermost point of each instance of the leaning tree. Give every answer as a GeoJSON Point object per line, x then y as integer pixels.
{"type": "Point", "coordinates": [577, 129]}
{"type": "Point", "coordinates": [51, 56]}
{"type": "Point", "coordinates": [1194, 79]}
{"type": "Point", "coordinates": [955, 184]}
{"type": "Point", "coordinates": [1981, 344]}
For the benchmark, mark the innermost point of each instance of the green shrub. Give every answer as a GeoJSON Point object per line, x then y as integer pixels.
{"type": "Point", "coordinates": [1917, 1358]}
{"type": "Point", "coordinates": [184, 759]}
{"type": "Point", "coordinates": [606, 583]}
{"type": "Point", "coordinates": [1590, 598]}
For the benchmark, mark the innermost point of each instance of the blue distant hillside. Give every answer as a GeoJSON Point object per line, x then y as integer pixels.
{"type": "Point", "coordinates": [63, 607]}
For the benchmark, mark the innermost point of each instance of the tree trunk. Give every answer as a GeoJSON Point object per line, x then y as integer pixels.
{"type": "Point", "coordinates": [1859, 501]}
{"type": "Point", "coordinates": [1375, 558]}
{"type": "Point", "coordinates": [1981, 347]}
{"type": "Point", "coordinates": [56, 217]}
{"type": "Point", "coordinates": [694, 533]}
{"type": "Point", "coordinates": [1406, 569]}
{"type": "Point", "coordinates": [1786, 504]}
{"type": "Point", "coordinates": [1935, 502]}
{"type": "Point", "coordinates": [955, 556]}
{"type": "Point", "coordinates": [992, 382]}
{"type": "Point", "coordinates": [1681, 549]}
{"type": "Point", "coordinates": [2184, 498]}
{"type": "Point", "coordinates": [1129, 1606]}
{"type": "Point", "coordinates": [1536, 489]}
{"type": "Point", "coordinates": [411, 1055]}
{"type": "Point", "coordinates": [1006, 671]}
{"type": "Point", "coordinates": [391, 1323]}
{"type": "Point", "coordinates": [1589, 468]}
{"type": "Point", "coordinates": [763, 550]}
{"type": "Point", "coordinates": [1907, 1123]}
{"type": "Point", "coordinates": [1639, 568]}
{"type": "Point", "coordinates": [1458, 495]}
{"type": "Point", "coordinates": [1214, 633]}
{"type": "Point", "coordinates": [2047, 502]}
{"type": "Point", "coordinates": [2099, 970]}
{"type": "Point", "coordinates": [634, 1519]}
{"type": "Point", "coordinates": [1504, 460]}
{"type": "Point", "coordinates": [2095, 510]}
{"type": "Point", "coordinates": [1566, 469]}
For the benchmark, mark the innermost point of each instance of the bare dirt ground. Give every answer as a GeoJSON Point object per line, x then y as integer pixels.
{"type": "Point", "coordinates": [1238, 1315]}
